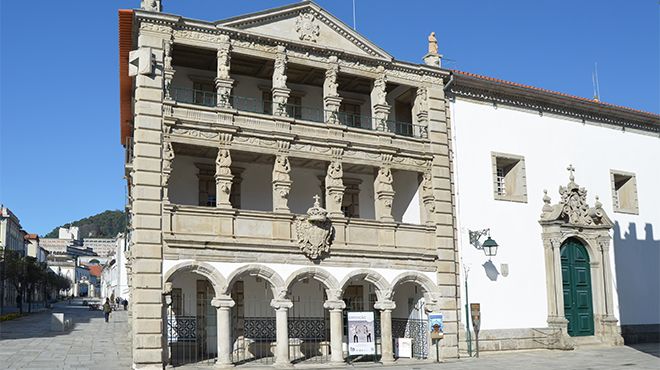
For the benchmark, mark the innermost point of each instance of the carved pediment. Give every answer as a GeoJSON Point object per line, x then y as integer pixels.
{"type": "Point", "coordinates": [308, 23]}
{"type": "Point", "coordinates": [573, 209]}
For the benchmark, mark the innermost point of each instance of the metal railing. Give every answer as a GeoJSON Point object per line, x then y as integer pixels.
{"type": "Point", "coordinates": [301, 112]}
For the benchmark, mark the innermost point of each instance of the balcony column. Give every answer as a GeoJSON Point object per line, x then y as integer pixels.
{"type": "Point", "coordinates": [223, 304]}
{"type": "Point", "coordinates": [380, 109]}
{"type": "Point", "coordinates": [281, 183]}
{"type": "Point", "coordinates": [421, 113]}
{"type": "Point", "coordinates": [281, 307]}
{"type": "Point", "coordinates": [168, 157]}
{"type": "Point", "coordinates": [223, 81]}
{"type": "Point", "coordinates": [223, 178]}
{"type": "Point", "coordinates": [280, 91]}
{"type": "Point", "coordinates": [384, 194]}
{"type": "Point", "coordinates": [334, 189]}
{"type": "Point", "coordinates": [386, 342]}
{"type": "Point", "coordinates": [168, 69]}
{"type": "Point", "coordinates": [427, 198]}
{"type": "Point", "coordinates": [336, 307]}
{"type": "Point", "coordinates": [331, 98]}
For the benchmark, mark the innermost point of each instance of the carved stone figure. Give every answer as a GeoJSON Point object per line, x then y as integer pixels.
{"type": "Point", "coordinates": [315, 233]}
{"type": "Point", "coordinates": [384, 180]}
{"type": "Point", "coordinates": [379, 90]}
{"type": "Point", "coordinates": [420, 100]}
{"type": "Point", "coordinates": [279, 72]}
{"type": "Point", "coordinates": [281, 169]}
{"type": "Point", "coordinates": [223, 163]}
{"type": "Point", "coordinates": [151, 5]}
{"type": "Point", "coordinates": [307, 28]}
{"type": "Point", "coordinates": [167, 59]}
{"type": "Point", "coordinates": [330, 84]}
{"type": "Point", "coordinates": [334, 175]}
{"type": "Point", "coordinates": [433, 44]}
{"type": "Point", "coordinates": [168, 156]}
{"type": "Point", "coordinates": [224, 58]}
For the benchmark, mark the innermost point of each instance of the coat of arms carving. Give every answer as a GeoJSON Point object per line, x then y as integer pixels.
{"type": "Point", "coordinates": [307, 28]}
{"type": "Point", "coordinates": [315, 233]}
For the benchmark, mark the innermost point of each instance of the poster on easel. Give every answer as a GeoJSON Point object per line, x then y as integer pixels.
{"type": "Point", "coordinates": [361, 334]}
{"type": "Point", "coordinates": [436, 325]}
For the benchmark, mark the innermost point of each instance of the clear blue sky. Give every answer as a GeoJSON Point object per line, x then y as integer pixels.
{"type": "Point", "coordinates": [61, 159]}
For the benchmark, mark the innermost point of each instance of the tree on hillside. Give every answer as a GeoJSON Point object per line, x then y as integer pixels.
{"type": "Point", "coordinates": [103, 225]}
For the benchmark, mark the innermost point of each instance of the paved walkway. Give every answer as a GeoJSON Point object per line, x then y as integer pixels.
{"type": "Point", "coordinates": [28, 343]}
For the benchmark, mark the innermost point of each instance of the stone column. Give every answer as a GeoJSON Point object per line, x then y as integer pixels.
{"type": "Point", "coordinates": [386, 307]}
{"type": "Point", "coordinates": [281, 307]}
{"type": "Point", "coordinates": [224, 303]}
{"type": "Point", "coordinates": [223, 81]}
{"type": "Point", "coordinates": [280, 91]}
{"type": "Point", "coordinates": [223, 178]}
{"type": "Point", "coordinates": [331, 98]}
{"type": "Point", "coordinates": [334, 189]}
{"type": "Point", "coordinates": [336, 308]}
{"type": "Point", "coordinates": [380, 109]}
{"type": "Point", "coordinates": [281, 184]}
{"type": "Point", "coordinates": [384, 194]}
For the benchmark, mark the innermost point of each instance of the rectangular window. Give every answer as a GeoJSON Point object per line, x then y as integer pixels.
{"type": "Point", "coordinates": [624, 192]}
{"type": "Point", "coordinates": [349, 114]}
{"type": "Point", "coordinates": [203, 94]}
{"type": "Point", "coordinates": [509, 178]}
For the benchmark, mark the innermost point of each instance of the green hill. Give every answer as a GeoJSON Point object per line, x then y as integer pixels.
{"type": "Point", "coordinates": [103, 225]}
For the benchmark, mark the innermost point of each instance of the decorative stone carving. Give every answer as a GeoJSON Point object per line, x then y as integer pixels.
{"type": "Point", "coordinates": [427, 196]}
{"type": "Point", "coordinates": [281, 183]}
{"type": "Point", "coordinates": [384, 194]}
{"type": "Point", "coordinates": [334, 188]}
{"type": "Point", "coordinates": [573, 207]}
{"type": "Point", "coordinates": [223, 178]}
{"type": "Point", "coordinates": [330, 84]}
{"type": "Point", "coordinates": [168, 156]}
{"type": "Point", "coordinates": [223, 82]}
{"type": "Point", "coordinates": [433, 44]}
{"type": "Point", "coordinates": [279, 70]}
{"type": "Point", "coordinates": [379, 89]}
{"type": "Point", "coordinates": [168, 70]}
{"type": "Point", "coordinates": [380, 108]}
{"type": "Point", "coordinates": [307, 27]}
{"type": "Point", "coordinates": [331, 98]}
{"type": "Point", "coordinates": [315, 233]}
{"type": "Point", "coordinates": [422, 111]}
{"type": "Point", "coordinates": [151, 5]}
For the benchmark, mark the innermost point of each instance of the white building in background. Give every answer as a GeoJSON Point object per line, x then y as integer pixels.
{"type": "Point", "coordinates": [68, 233]}
{"type": "Point", "coordinates": [114, 278]}
{"type": "Point", "coordinates": [511, 144]}
{"type": "Point", "coordinates": [101, 246]}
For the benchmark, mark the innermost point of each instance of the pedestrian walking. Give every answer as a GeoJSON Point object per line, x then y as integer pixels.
{"type": "Point", "coordinates": [125, 303]}
{"type": "Point", "coordinates": [107, 309]}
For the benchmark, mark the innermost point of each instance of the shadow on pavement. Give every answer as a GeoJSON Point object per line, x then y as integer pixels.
{"type": "Point", "coordinates": [652, 349]}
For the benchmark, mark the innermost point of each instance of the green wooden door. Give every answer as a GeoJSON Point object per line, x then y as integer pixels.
{"type": "Point", "coordinates": [576, 279]}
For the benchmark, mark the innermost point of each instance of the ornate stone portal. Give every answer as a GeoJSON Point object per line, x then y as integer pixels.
{"type": "Point", "coordinates": [572, 217]}
{"type": "Point", "coordinates": [315, 233]}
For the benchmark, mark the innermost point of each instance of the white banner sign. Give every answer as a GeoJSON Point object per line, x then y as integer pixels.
{"type": "Point", "coordinates": [361, 334]}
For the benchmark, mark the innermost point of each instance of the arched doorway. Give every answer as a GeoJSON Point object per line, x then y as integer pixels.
{"type": "Point", "coordinates": [191, 319]}
{"type": "Point", "coordinates": [576, 283]}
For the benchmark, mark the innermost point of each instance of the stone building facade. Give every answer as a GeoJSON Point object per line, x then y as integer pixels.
{"type": "Point", "coordinates": [282, 171]}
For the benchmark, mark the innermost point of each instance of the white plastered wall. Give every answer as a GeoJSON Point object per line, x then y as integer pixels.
{"type": "Point", "coordinates": [549, 144]}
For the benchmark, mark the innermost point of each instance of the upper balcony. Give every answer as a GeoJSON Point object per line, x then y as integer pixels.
{"type": "Point", "coordinates": [276, 88]}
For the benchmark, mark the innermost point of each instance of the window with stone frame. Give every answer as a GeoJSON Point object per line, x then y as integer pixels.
{"type": "Point", "coordinates": [624, 192]}
{"type": "Point", "coordinates": [349, 114]}
{"type": "Point", "coordinates": [350, 204]}
{"type": "Point", "coordinates": [293, 108]}
{"type": "Point", "coordinates": [206, 179]}
{"type": "Point", "coordinates": [203, 93]}
{"type": "Point", "coordinates": [509, 178]}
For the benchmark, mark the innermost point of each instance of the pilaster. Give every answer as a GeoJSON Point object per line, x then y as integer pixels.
{"type": "Point", "coordinates": [280, 91]}
{"type": "Point", "coordinates": [331, 98]}
{"type": "Point", "coordinates": [281, 183]}
{"type": "Point", "coordinates": [223, 81]}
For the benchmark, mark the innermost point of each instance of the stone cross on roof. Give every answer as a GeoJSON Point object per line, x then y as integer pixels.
{"type": "Point", "coordinates": [316, 200]}
{"type": "Point", "coordinates": [571, 169]}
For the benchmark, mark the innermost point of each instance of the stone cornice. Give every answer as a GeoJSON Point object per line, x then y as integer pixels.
{"type": "Point", "coordinates": [541, 101]}
{"type": "Point", "coordinates": [209, 33]}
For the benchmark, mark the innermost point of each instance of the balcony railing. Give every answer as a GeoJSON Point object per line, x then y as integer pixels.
{"type": "Point", "coordinates": [301, 112]}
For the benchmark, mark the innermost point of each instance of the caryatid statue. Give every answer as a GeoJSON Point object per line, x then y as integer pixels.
{"type": "Point", "coordinates": [281, 169]}
{"type": "Point", "coordinates": [223, 163]}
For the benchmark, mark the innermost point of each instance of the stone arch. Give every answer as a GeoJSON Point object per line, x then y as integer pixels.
{"type": "Point", "coordinates": [202, 268]}
{"type": "Point", "coordinates": [264, 272]}
{"type": "Point", "coordinates": [580, 237]}
{"type": "Point", "coordinates": [429, 287]}
{"type": "Point", "coordinates": [383, 287]}
{"type": "Point", "coordinates": [324, 277]}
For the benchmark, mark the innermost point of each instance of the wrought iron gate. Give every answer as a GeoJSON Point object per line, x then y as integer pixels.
{"type": "Point", "coordinates": [309, 332]}
{"type": "Point", "coordinates": [192, 339]}
{"type": "Point", "coordinates": [253, 329]}
{"type": "Point", "coordinates": [415, 329]}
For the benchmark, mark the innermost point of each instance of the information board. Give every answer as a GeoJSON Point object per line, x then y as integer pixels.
{"type": "Point", "coordinates": [436, 325]}
{"type": "Point", "coordinates": [361, 333]}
